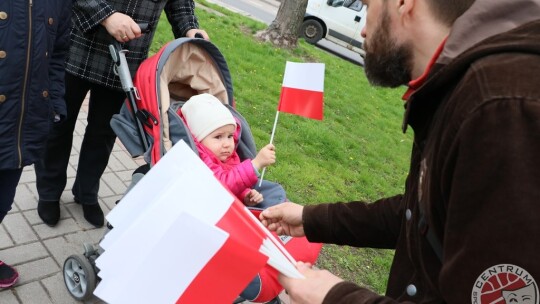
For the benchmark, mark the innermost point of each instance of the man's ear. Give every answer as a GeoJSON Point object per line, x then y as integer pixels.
{"type": "Point", "coordinates": [405, 8]}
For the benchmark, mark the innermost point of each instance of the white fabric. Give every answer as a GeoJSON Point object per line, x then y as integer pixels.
{"type": "Point", "coordinates": [304, 76]}
{"type": "Point", "coordinates": [204, 113]}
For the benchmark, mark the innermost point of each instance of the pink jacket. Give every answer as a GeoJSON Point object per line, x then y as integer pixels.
{"type": "Point", "coordinates": [239, 177]}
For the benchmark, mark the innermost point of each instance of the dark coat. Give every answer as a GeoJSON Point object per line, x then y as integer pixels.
{"type": "Point", "coordinates": [34, 37]}
{"type": "Point", "coordinates": [89, 57]}
{"type": "Point", "coordinates": [475, 173]}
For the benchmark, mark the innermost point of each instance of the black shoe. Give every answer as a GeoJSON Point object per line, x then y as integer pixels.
{"type": "Point", "coordinates": [93, 214]}
{"type": "Point", "coordinates": [49, 212]}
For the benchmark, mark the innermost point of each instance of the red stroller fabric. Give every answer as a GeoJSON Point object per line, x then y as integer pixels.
{"type": "Point", "coordinates": [146, 79]}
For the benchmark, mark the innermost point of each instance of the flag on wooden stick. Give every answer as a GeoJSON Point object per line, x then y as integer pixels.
{"type": "Point", "coordinates": [301, 93]}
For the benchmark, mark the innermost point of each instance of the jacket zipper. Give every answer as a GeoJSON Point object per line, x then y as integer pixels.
{"type": "Point", "coordinates": [25, 93]}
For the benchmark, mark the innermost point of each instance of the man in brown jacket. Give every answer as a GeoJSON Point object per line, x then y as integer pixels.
{"type": "Point", "coordinates": [467, 228]}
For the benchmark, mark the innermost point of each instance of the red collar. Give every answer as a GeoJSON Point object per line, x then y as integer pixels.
{"type": "Point", "coordinates": [418, 82]}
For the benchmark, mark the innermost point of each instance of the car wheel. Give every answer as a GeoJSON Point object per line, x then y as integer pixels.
{"type": "Point", "coordinates": [312, 31]}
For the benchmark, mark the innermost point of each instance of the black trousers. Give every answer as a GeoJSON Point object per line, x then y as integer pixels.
{"type": "Point", "coordinates": [97, 144]}
{"type": "Point", "coordinates": [8, 184]}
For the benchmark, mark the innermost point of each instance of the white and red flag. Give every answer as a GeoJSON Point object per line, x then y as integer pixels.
{"type": "Point", "coordinates": [180, 237]}
{"type": "Point", "coordinates": [302, 90]}
{"type": "Point", "coordinates": [302, 93]}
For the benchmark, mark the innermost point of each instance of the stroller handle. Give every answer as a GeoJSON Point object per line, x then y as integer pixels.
{"type": "Point", "coordinates": [119, 58]}
{"type": "Point", "coordinates": [121, 68]}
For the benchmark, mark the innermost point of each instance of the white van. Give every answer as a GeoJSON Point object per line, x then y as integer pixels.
{"type": "Point", "coordinates": [339, 21]}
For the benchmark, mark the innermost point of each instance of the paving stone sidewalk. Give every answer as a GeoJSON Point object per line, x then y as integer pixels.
{"type": "Point", "coordinates": [39, 251]}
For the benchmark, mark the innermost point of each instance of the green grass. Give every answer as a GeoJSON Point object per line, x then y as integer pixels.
{"type": "Point", "coordinates": [357, 152]}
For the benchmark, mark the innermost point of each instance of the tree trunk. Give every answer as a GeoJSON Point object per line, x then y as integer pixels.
{"type": "Point", "coordinates": [283, 31]}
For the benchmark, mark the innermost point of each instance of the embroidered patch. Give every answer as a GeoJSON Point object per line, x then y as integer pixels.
{"type": "Point", "coordinates": [505, 283]}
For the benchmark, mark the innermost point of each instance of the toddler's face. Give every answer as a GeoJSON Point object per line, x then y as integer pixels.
{"type": "Point", "coordinates": [221, 142]}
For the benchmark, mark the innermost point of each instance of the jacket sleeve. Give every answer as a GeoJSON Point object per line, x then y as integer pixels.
{"type": "Point", "coordinates": [238, 179]}
{"type": "Point", "coordinates": [87, 14]}
{"type": "Point", "coordinates": [57, 62]}
{"type": "Point", "coordinates": [357, 224]}
{"type": "Point", "coordinates": [181, 16]}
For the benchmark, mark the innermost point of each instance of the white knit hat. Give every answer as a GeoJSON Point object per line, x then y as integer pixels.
{"type": "Point", "coordinates": [204, 113]}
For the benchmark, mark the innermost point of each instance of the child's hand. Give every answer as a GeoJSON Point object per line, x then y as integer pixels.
{"type": "Point", "coordinates": [253, 198]}
{"type": "Point", "coordinates": [265, 157]}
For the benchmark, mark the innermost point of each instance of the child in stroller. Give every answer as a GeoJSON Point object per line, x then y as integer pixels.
{"type": "Point", "coordinates": [185, 70]}
{"type": "Point", "coordinates": [216, 132]}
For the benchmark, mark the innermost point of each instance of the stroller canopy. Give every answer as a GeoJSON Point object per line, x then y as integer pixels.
{"type": "Point", "coordinates": [182, 68]}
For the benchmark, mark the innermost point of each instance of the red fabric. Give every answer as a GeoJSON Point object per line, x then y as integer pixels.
{"type": "Point", "coordinates": [146, 83]}
{"type": "Point", "coordinates": [233, 266]}
{"type": "Point", "coordinates": [301, 102]}
{"type": "Point", "coordinates": [418, 82]}
{"type": "Point", "coordinates": [300, 249]}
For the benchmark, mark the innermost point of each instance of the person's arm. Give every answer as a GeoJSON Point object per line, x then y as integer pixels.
{"type": "Point", "coordinates": [357, 224]}
{"type": "Point", "coordinates": [57, 63]}
{"type": "Point", "coordinates": [238, 179]}
{"type": "Point", "coordinates": [88, 14]}
{"type": "Point", "coordinates": [181, 16]}
{"type": "Point", "coordinates": [321, 286]}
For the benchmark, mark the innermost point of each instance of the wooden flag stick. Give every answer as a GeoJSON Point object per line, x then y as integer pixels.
{"type": "Point", "coordinates": [271, 141]}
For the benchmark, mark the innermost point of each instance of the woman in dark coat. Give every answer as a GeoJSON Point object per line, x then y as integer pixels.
{"type": "Point", "coordinates": [34, 38]}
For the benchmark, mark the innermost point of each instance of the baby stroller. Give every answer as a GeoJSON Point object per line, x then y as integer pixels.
{"type": "Point", "coordinates": [149, 124]}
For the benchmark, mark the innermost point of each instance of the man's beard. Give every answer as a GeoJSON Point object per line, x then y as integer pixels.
{"type": "Point", "coordinates": [387, 64]}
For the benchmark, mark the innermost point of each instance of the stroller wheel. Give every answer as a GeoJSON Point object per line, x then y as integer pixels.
{"type": "Point", "coordinates": [79, 276]}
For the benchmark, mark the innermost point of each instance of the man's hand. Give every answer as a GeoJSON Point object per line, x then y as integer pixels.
{"type": "Point", "coordinates": [313, 288]}
{"type": "Point", "coordinates": [121, 27]}
{"type": "Point", "coordinates": [192, 32]}
{"type": "Point", "coordinates": [285, 218]}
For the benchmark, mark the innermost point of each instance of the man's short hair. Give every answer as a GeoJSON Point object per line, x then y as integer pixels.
{"type": "Point", "coordinates": [447, 11]}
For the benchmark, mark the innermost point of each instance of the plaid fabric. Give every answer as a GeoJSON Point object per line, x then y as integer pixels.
{"type": "Point", "coordinates": [89, 56]}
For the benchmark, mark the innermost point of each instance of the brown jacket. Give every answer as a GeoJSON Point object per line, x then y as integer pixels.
{"type": "Point", "coordinates": [475, 170]}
